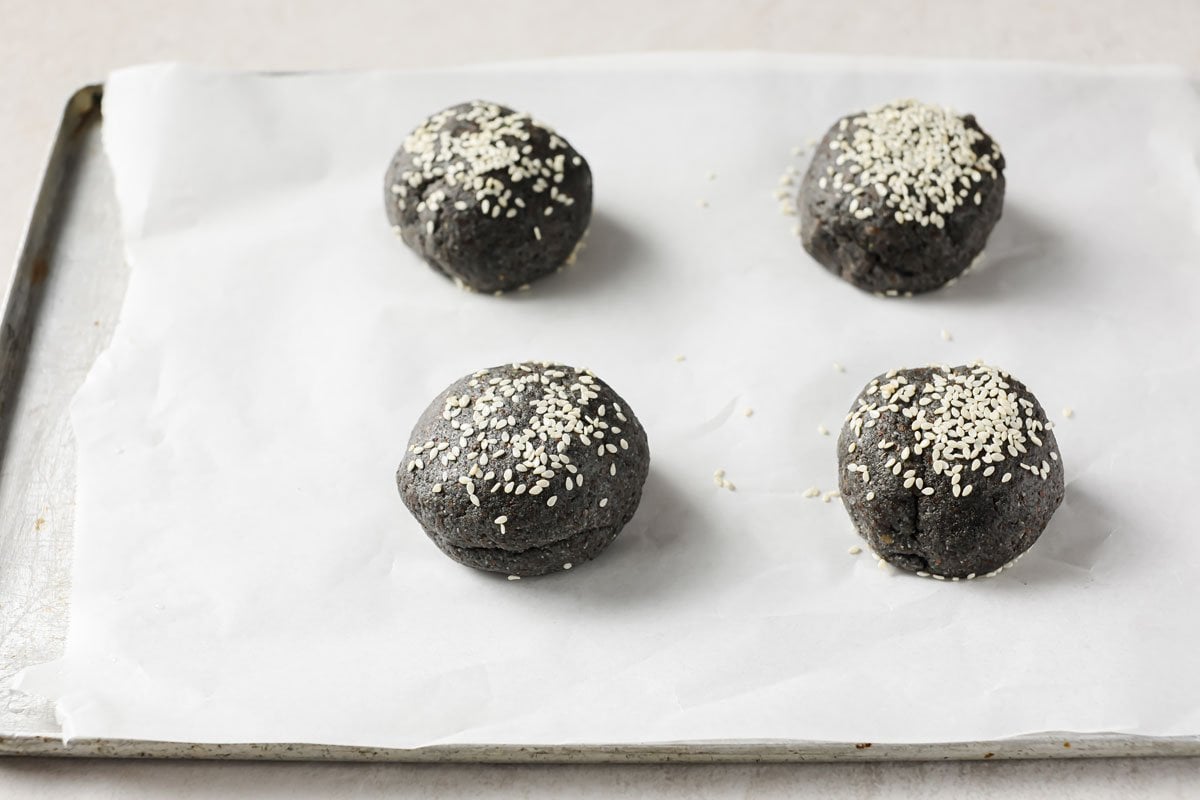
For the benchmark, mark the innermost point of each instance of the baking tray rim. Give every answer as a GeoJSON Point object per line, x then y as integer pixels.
{"type": "Point", "coordinates": [84, 108]}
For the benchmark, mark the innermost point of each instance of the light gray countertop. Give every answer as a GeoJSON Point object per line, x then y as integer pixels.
{"type": "Point", "coordinates": [49, 50]}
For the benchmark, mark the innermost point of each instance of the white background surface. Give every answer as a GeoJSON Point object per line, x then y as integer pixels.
{"type": "Point", "coordinates": [47, 52]}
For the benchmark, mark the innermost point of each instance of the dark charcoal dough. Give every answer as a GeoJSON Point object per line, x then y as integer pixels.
{"type": "Point", "coordinates": [470, 189]}
{"type": "Point", "coordinates": [924, 527]}
{"type": "Point", "coordinates": [467, 434]}
{"type": "Point", "coordinates": [873, 249]}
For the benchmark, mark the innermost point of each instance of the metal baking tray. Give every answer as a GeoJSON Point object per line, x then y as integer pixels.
{"type": "Point", "coordinates": [59, 313]}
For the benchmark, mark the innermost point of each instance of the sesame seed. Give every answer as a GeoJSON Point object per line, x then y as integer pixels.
{"type": "Point", "coordinates": [811, 491]}
{"type": "Point", "coordinates": [821, 429]}
{"type": "Point", "coordinates": [946, 336]}
{"type": "Point", "coordinates": [1068, 412]}
{"type": "Point", "coordinates": [749, 412]}
{"type": "Point", "coordinates": [603, 502]}
{"type": "Point", "coordinates": [501, 520]}
{"type": "Point", "coordinates": [514, 577]}
{"type": "Point", "coordinates": [928, 490]}
{"type": "Point", "coordinates": [870, 496]}
{"type": "Point", "coordinates": [1007, 477]}
{"type": "Point", "coordinates": [838, 367]}
{"type": "Point", "coordinates": [855, 550]}
{"type": "Point", "coordinates": [825, 498]}
{"type": "Point", "coordinates": [537, 233]}
{"type": "Point", "coordinates": [567, 565]}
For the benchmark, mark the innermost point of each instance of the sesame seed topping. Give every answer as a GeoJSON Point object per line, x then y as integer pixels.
{"type": "Point", "coordinates": [749, 412]}
{"type": "Point", "coordinates": [481, 151]}
{"type": "Point", "coordinates": [825, 498]}
{"type": "Point", "coordinates": [603, 502]}
{"type": "Point", "coordinates": [514, 577]}
{"type": "Point", "coordinates": [811, 491]}
{"type": "Point", "coordinates": [554, 403]}
{"type": "Point", "coordinates": [918, 158]}
{"type": "Point", "coordinates": [821, 429]}
{"type": "Point", "coordinates": [968, 418]}
{"type": "Point", "coordinates": [855, 550]}
{"type": "Point", "coordinates": [1068, 412]}
{"type": "Point", "coordinates": [568, 565]}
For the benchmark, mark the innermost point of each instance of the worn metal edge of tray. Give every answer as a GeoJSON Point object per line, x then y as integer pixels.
{"type": "Point", "coordinates": [1021, 747]}
{"type": "Point", "coordinates": [20, 309]}
{"type": "Point", "coordinates": [32, 265]}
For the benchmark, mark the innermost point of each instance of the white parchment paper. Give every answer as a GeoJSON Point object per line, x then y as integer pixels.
{"type": "Point", "coordinates": [244, 569]}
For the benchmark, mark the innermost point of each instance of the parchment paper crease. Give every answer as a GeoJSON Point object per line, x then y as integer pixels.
{"type": "Point", "coordinates": [244, 570]}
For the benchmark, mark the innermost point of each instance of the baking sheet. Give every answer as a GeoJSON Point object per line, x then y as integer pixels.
{"type": "Point", "coordinates": [310, 608]}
